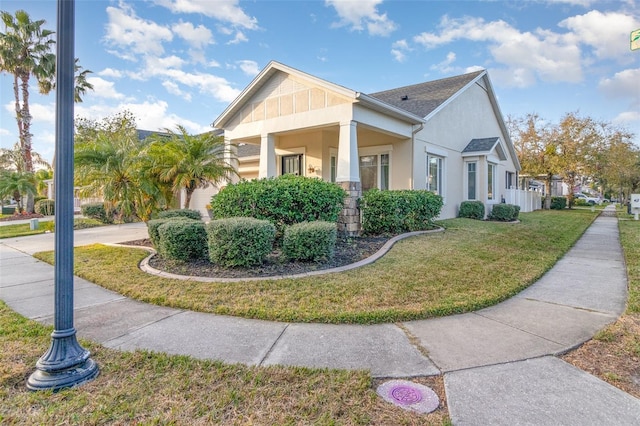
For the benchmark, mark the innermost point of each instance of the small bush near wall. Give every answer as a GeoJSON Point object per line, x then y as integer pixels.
{"type": "Point", "coordinates": [191, 214]}
{"type": "Point", "coordinates": [45, 207]}
{"type": "Point", "coordinates": [96, 211]}
{"type": "Point", "coordinates": [283, 201]}
{"type": "Point", "coordinates": [183, 239]}
{"type": "Point", "coordinates": [471, 210]}
{"type": "Point", "coordinates": [154, 224]}
{"type": "Point", "coordinates": [240, 241]}
{"type": "Point", "coordinates": [558, 203]}
{"type": "Point", "coordinates": [504, 212]}
{"type": "Point", "coordinates": [398, 211]}
{"type": "Point", "coordinates": [310, 241]}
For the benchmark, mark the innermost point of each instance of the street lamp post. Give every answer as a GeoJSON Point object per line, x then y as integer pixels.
{"type": "Point", "coordinates": [66, 363]}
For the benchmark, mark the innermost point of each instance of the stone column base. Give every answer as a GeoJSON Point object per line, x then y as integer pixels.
{"type": "Point", "coordinates": [349, 222]}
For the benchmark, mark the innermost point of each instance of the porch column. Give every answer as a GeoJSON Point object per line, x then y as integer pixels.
{"type": "Point", "coordinates": [348, 167]}
{"type": "Point", "coordinates": [267, 167]}
{"type": "Point", "coordinates": [231, 158]}
{"type": "Point", "coordinates": [348, 177]}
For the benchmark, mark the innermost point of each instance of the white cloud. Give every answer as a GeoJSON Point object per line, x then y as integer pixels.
{"type": "Point", "coordinates": [445, 66]}
{"type": "Point", "coordinates": [528, 56]}
{"type": "Point", "coordinates": [110, 72]}
{"type": "Point", "coordinates": [103, 88]}
{"type": "Point", "coordinates": [624, 84]}
{"type": "Point", "coordinates": [43, 113]}
{"type": "Point", "coordinates": [399, 50]}
{"type": "Point", "coordinates": [361, 14]}
{"type": "Point", "coordinates": [197, 37]}
{"type": "Point", "coordinates": [174, 89]}
{"type": "Point", "coordinates": [250, 68]}
{"type": "Point", "coordinates": [607, 33]}
{"type": "Point", "coordinates": [239, 38]}
{"type": "Point", "coordinates": [224, 10]}
{"type": "Point", "coordinates": [132, 35]}
{"type": "Point", "coordinates": [583, 3]}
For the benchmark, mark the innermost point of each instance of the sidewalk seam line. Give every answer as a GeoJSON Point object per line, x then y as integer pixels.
{"type": "Point", "coordinates": [273, 345]}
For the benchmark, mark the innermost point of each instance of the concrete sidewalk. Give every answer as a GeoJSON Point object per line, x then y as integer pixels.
{"type": "Point", "coordinates": [499, 363]}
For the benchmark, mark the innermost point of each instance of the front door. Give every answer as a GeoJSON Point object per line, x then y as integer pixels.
{"type": "Point", "coordinates": [292, 164]}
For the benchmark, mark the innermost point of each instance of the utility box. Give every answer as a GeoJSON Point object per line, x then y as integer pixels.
{"type": "Point", "coordinates": [634, 204]}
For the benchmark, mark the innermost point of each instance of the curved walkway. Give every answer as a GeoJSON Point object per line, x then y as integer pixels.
{"type": "Point", "coordinates": [499, 363]}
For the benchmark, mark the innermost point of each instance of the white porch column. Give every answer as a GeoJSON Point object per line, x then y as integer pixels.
{"type": "Point", "coordinates": [267, 167]}
{"type": "Point", "coordinates": [348, 161]}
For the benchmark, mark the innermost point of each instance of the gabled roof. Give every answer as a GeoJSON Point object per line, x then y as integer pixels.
{"type": "Point", "coordinates": [424, 98]}
{"type": "Point", "coordinates": [484, 146]}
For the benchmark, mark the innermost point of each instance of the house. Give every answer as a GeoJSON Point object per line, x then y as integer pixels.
{"type": "Point", "coordinates": [446, 136]}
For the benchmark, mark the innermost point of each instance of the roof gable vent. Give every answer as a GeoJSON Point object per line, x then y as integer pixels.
{"type": "Point", "coordinates": [404, 98]}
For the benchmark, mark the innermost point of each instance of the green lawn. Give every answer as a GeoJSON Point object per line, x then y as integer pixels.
{"type": "Point", "coordinates": [23, 229]}
{"type": "Point", "coordinates": [473, 264]}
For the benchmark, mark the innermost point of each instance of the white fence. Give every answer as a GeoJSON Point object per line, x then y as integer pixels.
{"type": "Point", "coordinates": [527, 200]}
{"type": "Point", "coordinates": [77, 202]}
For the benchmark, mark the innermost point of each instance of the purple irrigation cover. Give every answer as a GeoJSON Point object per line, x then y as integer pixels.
{"type": "Point", "coordinates": [409, 395]}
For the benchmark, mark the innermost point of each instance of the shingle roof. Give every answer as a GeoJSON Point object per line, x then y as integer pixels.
{"type": "Point", "coordinates": [421, 99]}
{"type": "Point", "coordinates": [480, 145]}
{"type": "Point", "coordinates": [248, 150]}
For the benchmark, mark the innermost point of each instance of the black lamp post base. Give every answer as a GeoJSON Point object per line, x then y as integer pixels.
{"type": "Point", "coordinates": [66, 364]}
{"type": "Point", "coordinates": [71, 377]}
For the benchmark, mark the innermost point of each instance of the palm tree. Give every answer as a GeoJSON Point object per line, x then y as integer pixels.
{"type": "Point", "coordinates": [25, 51]}
{"type": "Point", "coordinates": [17, 185]}
{"type": "Point", "coordinates": [189, 161]}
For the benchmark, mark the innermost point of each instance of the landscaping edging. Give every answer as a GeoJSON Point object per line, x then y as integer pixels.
{"type": "Point", "coordinates": [145, 267]}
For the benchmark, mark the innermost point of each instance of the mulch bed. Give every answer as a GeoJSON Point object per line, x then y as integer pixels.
{"type": "Point", "coordinates": [22, 216]}
{"type": "Point", "coordinates": [347, 251]}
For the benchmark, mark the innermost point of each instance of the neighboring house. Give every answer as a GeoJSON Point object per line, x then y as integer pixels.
{"type": "Point", "coordinates": [446, 136]}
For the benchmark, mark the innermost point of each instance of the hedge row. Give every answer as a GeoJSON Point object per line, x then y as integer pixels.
{"type": "Point", "coordinates": [504, 212]}
{"type": "Point", "coordinates": [283, 201]}
{"type": "Point", "coordinates": [398, 210]}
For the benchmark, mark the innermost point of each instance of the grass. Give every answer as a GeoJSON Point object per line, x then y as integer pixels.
{"type": "Point", "coordinates": [473, 264]}
{"type": "Point", "coordinates": [23, 229]}
{"type": "Point", "coordinates": [153, 388]}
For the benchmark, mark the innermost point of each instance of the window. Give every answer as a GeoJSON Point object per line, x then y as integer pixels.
{"type": "Point", "coordinates": [509, 180]}
{"type": "Point", "coordinates": [333, 160]}
{"type": "Point", "coordinates": [491, 181]}
{"type": "Point", "coordinates": [292, 164]}
{"type": "Point", "coordinates": [471, 181]}
{"type": "Point", "coordinates": [435, 173]}
{"type": "Point", "coordinates": [374, 171]}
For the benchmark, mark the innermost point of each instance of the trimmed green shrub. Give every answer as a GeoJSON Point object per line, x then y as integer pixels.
{"type": "Point", "coordinates": [310, 241]}
{"type": "Point", "coordinates": [154, 224]}
{"type": "Point", "coordinates": [240, 241]}
{"type": "Point", "coordinates": [504, 212]}
{"type": "Point", "coordinates": [558, 203]}
{"type": "Point", "coordinates": [191, 214]}
{"type": "Point", "coordinates": [472, 210]}
{"type": "Point", "coordinates": [96, 211]}
{"type": "Point", "coordinates": [516, 213]}
{"type": "Point", "coordinates": [283, 200]}
{"type": "Point", "coordinates": [398, 210]}
{"type": "Point", "coordinates": [581, 202]}
{"type": "Point", "coordinates": [183, 239]}
{"type": "Point", "coordinates": [45, 207]}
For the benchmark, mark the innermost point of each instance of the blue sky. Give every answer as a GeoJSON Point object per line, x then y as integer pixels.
{"type": "Point", "coordinates": [182, 62]}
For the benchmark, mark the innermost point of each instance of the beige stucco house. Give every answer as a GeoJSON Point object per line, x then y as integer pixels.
{"type": "Point", "coordinates": [447, 136]}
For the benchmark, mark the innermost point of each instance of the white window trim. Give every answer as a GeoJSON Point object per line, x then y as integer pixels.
{"type": "Point", "coordinates": [333, 152]}
{"type": "Point", "coordinates": [494, 185]}
{"type": "Point", "coordinates": [443, 173]}
{"type": "Point", "coordinates": [291, 151]}
{"type": "Point", "coordinates": [466, 180]}
{"type": "Point", "coordinates": [378, 151]}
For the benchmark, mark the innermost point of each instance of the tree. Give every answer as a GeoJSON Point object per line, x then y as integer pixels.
{"type": "Point", "coordinates": [26, 51]}
{"type": "Point", "coordinates": [17, 185]}
{"type": "Point", "coordinates": [619, 166]}
{"type": "Point", "coordinates": [110, 163]}
{"type": "Point", "coordinates": [188, 162]}
{"type": "Point", "coordinates": [536, 146]}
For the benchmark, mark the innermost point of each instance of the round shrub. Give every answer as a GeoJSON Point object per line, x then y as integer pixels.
{"type": "Point", "coordinates": [96, 211]}
{"type": "Point", "coordinates": [558, 203]}
{"type": "Point", "coordinates": [472, 210]}
{"type": "Point", "coordinates": [310, 241]}
{"type": "Point", "coordinates": [240, 241]}
{"type": "Point", "coordinates": [154, 224]}
{"type": "Point", "coordinates": [503, 212]}
{"type": "Point", "coordinates": [45, 207]}
{"type": "Point", "coordinates": [284, 200]}
{"type": "Point", "coordinates": [191, 214]}
{"type": "Point", "coordinates": [183, 240]}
